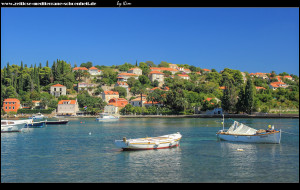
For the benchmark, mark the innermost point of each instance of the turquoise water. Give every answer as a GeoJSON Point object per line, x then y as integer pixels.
{"type": "Point", "coordinates": [85, 152]}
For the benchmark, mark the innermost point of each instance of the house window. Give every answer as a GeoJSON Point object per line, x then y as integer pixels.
{"type": "Point", "coordinates": [54, 89]}
{"type": "Point", "coordinates": [9, 107]}
{"type": "Point", "coordinates": [13, 107]}
{"type": "Point", "coordinates": [60, 89]}
{"type": "Point", "coordinates": [6, 107]}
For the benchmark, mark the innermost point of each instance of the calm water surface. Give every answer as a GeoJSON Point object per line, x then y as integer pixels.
{"type": "Point", "coordinates": [85, 152]}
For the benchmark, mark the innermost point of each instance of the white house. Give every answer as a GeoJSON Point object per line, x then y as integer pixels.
{"type": "Point", "coordinates": [95, 71]}
{"type": "Point", "coordinates": [126, 76]}
{"type": "Point", "coordinates": [136, 71]}
{"type": "Point", "coordinates": [156, 75]}
{"type": "Point", "coordinates": [67, 107]}
{"type": "Point", "coordinates": [58, 90]}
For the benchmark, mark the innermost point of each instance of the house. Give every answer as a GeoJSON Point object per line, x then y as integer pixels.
{"type": "Point", "coordinates": [181, 69]}
{"type": "Point", "coordinates": [115, 105]}
{"type": "Point", "coordinates": [80, 68]}
{"type": "Point", "coordinates": [123, 84]}
{"type": "Point", "coordinates": [275, 85]}
{"type": "Point", "coordinates": [163, 89]}
{"type": "Point", "coordinates": [85, 86]}
{"type": "Point", "coordinates": [260, 88]}
{"type": "Point", "coordinates": [173, 66]}
{"type": "Point", "coordinates": [137, 101]}
{"type": "Point", "coordinates": [278, 78]}
{"type": "Point", "coordinates": [126, 76]}
{"type": "Point", "coordinates": [36, 103]}
{"type": "Point", "coordinates": [222, 88]}
{"type": "Point", "coordinates": [107, 95]}
{"type": "Point", "coordinates": [67, 107]}
{"type": "Point", "coordinates": [150, 103]}
{"type": "Point", "coordinates": [162, 69]}
{"type": "Point", "coordinates": [136, 71]}
{"type": "Point", "coordinates": [215, 111]}
{"type": "Point", "coordinates": [206, 70]}
{"type": "Point", "coordinates": [95, 71]}
{"type": "Point", "coordinates": [89, 87]}
{"type": "Point", "coordinates": [157, 75]}
{"type": "Point", "coordinates": [260, 75]}
{"type": "Point", "coordinates": [187, 77]}
{"type": "Point", "coordinates": [288, 77]}
{"type": "Point", "coordinates": [11, 104]}
{"type": "Point", "coordinates": [187, 71]}
{"type": "Point", "coordinates": [58, 90]}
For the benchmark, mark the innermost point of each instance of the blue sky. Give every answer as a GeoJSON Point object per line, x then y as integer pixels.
{"type": "Point", "coordinates": [247, 39]}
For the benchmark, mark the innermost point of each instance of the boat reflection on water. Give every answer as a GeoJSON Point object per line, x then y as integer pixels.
{"type": "Point", "coordinates": [164, 165]}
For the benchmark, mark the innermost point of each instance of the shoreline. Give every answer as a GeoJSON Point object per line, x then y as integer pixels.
{"type": "Point", "coordinates": [269, 115]}
{"type": "Point", "coordinates": [291, 116]}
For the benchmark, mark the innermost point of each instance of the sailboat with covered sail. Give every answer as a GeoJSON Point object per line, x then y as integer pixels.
{"type": "Point", "coordinates": [242, 133]}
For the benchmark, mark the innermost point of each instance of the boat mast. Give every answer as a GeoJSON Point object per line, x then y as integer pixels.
{"type": "Point", "coordinates": [223, 121]}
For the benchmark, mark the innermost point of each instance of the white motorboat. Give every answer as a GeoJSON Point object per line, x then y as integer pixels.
{"type": "Point", "coordinates": [148, 143]}
{"type": "Point", "coordinates": [241, 133]}
{"type": "Point", "coordinates": [37, 116]}
{"type": "Point", "coordinates": [107, 117]}
{"type": "Point", "coordinates": [13, 125]}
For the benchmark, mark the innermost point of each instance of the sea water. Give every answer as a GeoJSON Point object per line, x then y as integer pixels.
{"type": "Point", "coordinates": [84, 151]}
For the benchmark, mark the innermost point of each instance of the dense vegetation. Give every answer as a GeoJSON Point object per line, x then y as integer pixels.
{"type": "Point", "coordinates": [184, 96]}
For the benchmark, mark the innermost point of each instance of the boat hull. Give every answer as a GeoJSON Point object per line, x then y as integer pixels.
{"type": "Point", "coordinates": [10, 128]}
{"type": "Point", "coordinates": [145, 144]}
{"type": "Point", "coordinates": [273, 137]}
{"type": "Point", "coordinates": [56, 122]}
{"type": "Point", "coordinates": [35, 125]}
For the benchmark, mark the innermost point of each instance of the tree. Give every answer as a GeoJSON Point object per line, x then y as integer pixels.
{"type": "Point", "coordinates": [144, 80]}
{"type": "Point", "coordinates": [164, 64]}
{"type": "Point", "coordinates": [249, 96]}
{"type": "Point", "coordinates": [122, 91]}
{"type": "Point", "coordinates": [229, 98]}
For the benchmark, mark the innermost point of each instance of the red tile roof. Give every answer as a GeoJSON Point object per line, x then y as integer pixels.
{"type": "Point", "coordinates": [67, 102]}
{"type": "Point", "coordinates": [80, 68]}
{"type": "Point", "coordinates": [156, 72]}
{"type": "Point", "coordinates": [11, 100]}
{"type": "Point", "coordinates": [118, 102]}
{"type": "Point", "coordinates": [111, 93]}
{"type": "Point", "coordinates": [58, 85]}
{"type": "Point", "coordinates": [127, 74]}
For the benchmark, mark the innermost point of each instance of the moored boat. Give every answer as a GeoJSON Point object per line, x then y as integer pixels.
{"type": "Point", "coordinates": [60, 122]}
{"type": "Point", "coordinates": [39, 124]}
{"type": "Point", "coordinates": [107, 117]}
{"type": "Point", "coordinates": [241, 133]}
{"type": "Point", "coordinates": [37, 116]}
{"type": "Point", "coordinates": [13, 125]}
{"type": "Point", "coordinates": [148, 143]}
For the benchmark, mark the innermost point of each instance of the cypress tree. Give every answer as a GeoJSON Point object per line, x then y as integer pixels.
{"type": "Point", "coordinates": [249, 96]}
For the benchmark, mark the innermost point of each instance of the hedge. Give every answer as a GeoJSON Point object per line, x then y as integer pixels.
{"type": "Point", "coordinates": [34, 111]}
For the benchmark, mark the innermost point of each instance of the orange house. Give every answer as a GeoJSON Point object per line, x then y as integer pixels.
{"type": "Point", "coordinates": [11, 104]}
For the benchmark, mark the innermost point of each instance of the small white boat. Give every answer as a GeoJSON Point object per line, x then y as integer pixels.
{"type": "Point", "coordinates": [241, 133]}
{"type": "Point", "coordinates": [13, 125]}
{"type": "Point", "coordinates": [148, 143]}
{"type": "Point", "coordinates": [37, 116]}
{"type": "Point", "coordinates": [107, 117]}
